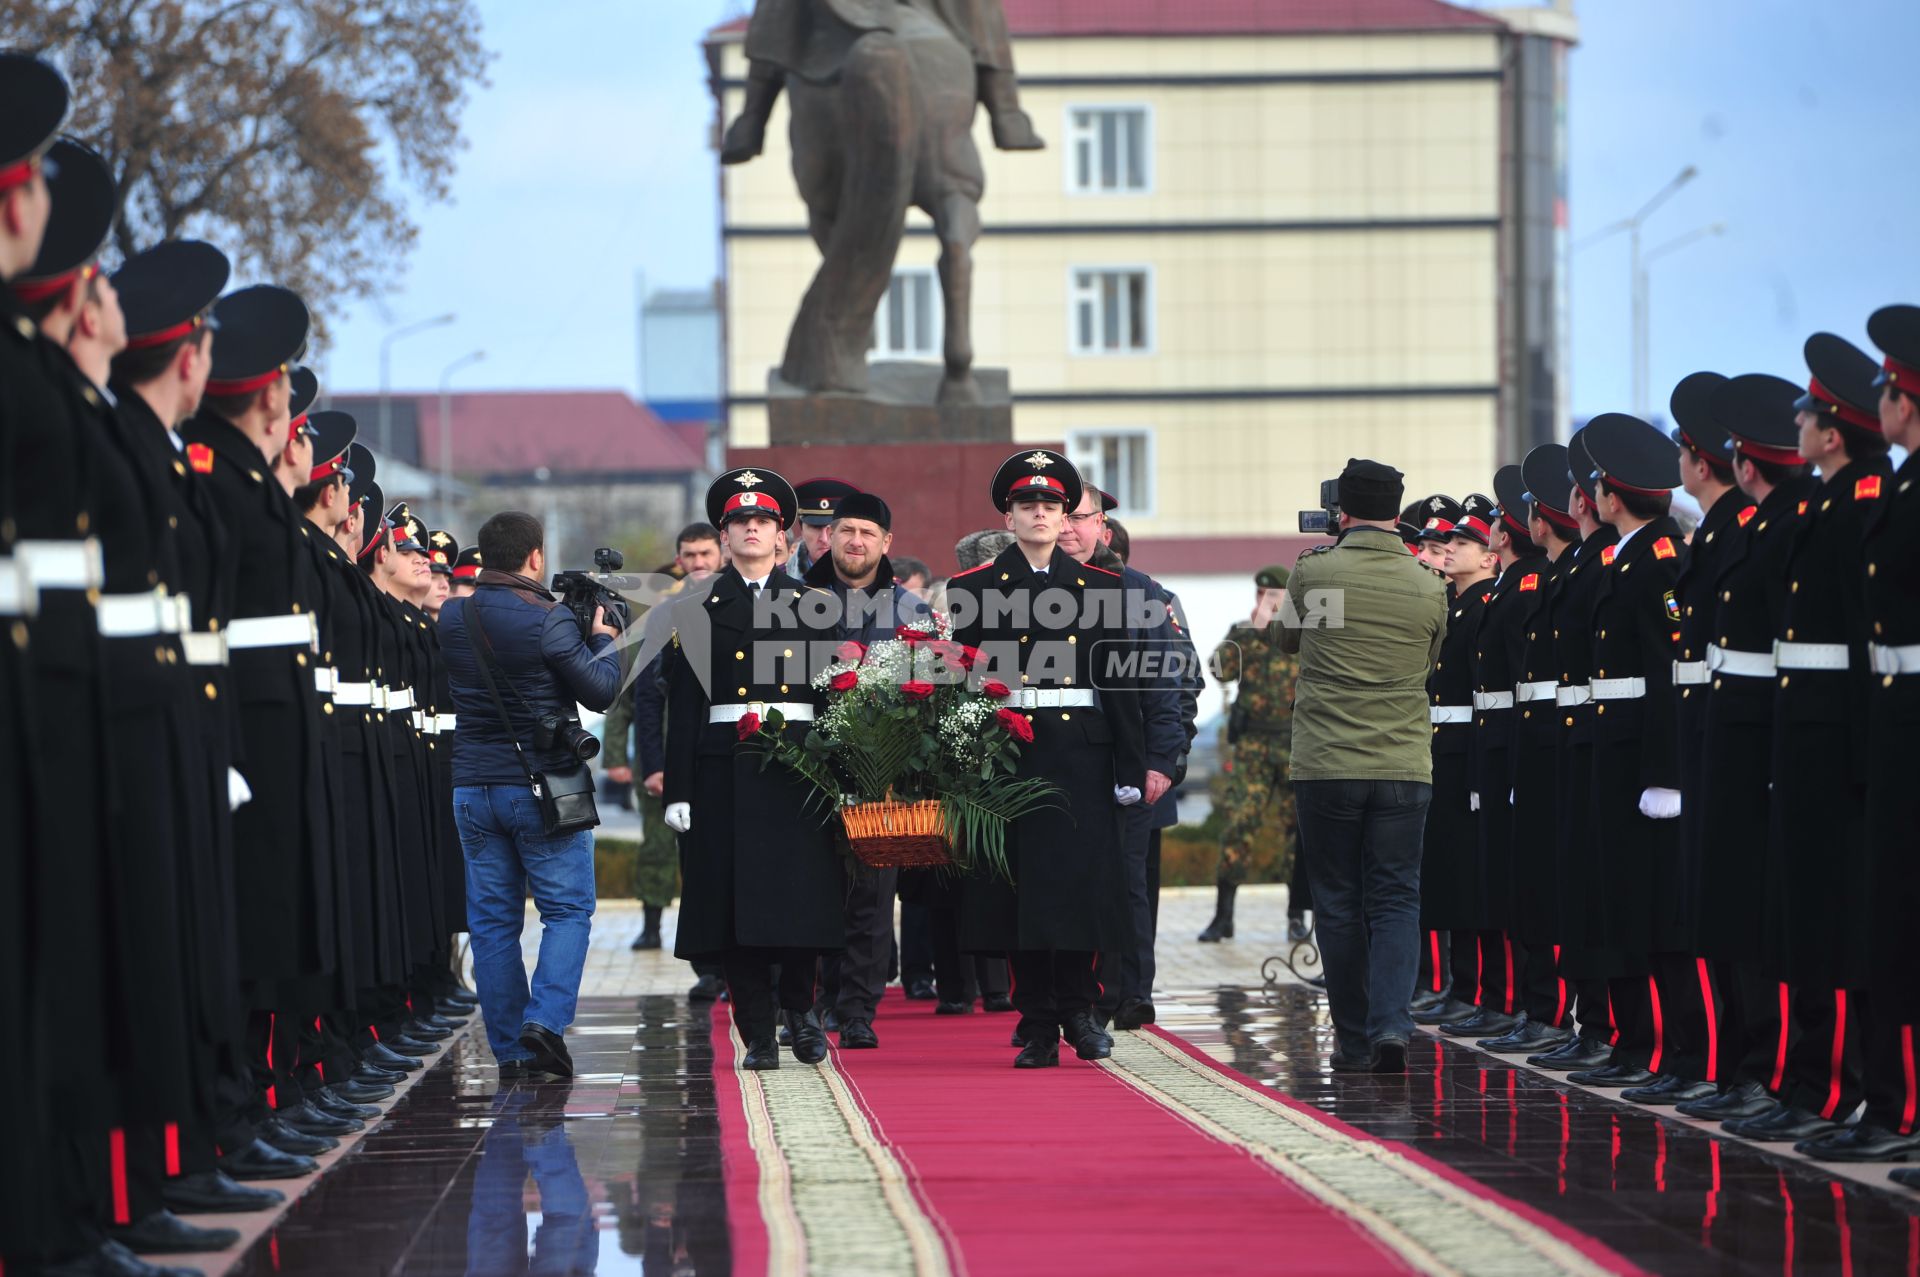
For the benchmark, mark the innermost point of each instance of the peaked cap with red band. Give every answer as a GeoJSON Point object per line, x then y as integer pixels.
{"type": "Point", "coordinates": [168, 291]}
{"type": "Point", "coordinates": [33, 102]}
{"type": "Point", "coordinates": [333, 435]}
{"type": "Point", "coordinates": [408, 532]}
{"type": "Point", "coordinates": [1694, 423]}
{"type": "Point", "coordinates": [361, 465]}
{"type": "Point", "coordinates": [84, 202]}
{"type": "Point", "coordinates": [1631, 455]}
{"type": "Point", "coordinates": [466, 564]}
{"type": "Point", "coordinates": [752, 490]}
{"type": "Point", "coordinates": [1477, 514]}
{"type": "Point", "coordinates": [1036, 472]}
{"type": "Point", "coordinates": [1510, 490]}
{"type": "Point", "coordinates": [1579, 468]}
{"type": "Point", "coordinates": [374, 530]}
{"type": "Point", "coordinates": [1756, 409]}
{"type": "Point", "coordinates": [1841, 382]}
{"type": "Point", "coordinates": [1549, 488]}
{"type": "Point", "coordinates": [1437, 515]}
{"type": "Point", "coordinates": [303, 389]}
{"type": "Point", "coordinates": [442, 549]}
{"type": "Point", "coordinates": [263, 329]}
{"type": "Point", "coordinates": [1896, 330]}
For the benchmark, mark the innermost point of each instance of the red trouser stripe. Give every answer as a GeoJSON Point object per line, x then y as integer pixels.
{"type": "Point", "coordinates": [1713, 1021]}
{"type": "Point", "coordinates": [1506, 942]}
{"type": "Point", "coordinates": [1613, 1025]}
{"type": "Point", "coordinates": [1906, 1068]}
{"type": "Point", "coordinates": [173, 1150]}
{"type": "Point", "coordinates": [1560, 985]}
{"type": "Point", "coordinates": [1839, 1054]}
{"type": "Point", "coordinates": [1434, 938]}
{"type": "Point", "coordinates": [1659, 1028]}
{"type": "Point", "coordinates": [1479, 967]}
{"type": "Point", "coordinates": [272, 1021]}
{"type": "Point", "coordinates": [117, 1154]}
{"type": "Point", "coordinates": [1780, 1052]}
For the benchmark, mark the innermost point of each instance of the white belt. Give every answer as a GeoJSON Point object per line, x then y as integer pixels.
{"type": "Point", "coordinates": [297, 629]}
{"type": "Point", "coordinates": [204, 649]}
{"type": "Point", "coordinates": [380, 693]}
{"type": "Point", "coordinates": [326, 680]}
{"type": "Point", "coordinates": [17, 595]}
{"type": "Point", "coordinates": [1493, 700]}
{"type": "Point", "coordinates": [1052, 698]}
{"type": "Point", "coordinates": [1895, 660]}
{"type": "Point", "coordinates": [61, 565]}
{"type": "Point", "coordinates": [1690, 673]}
{"type": "Point", "coordinates": [1811, 656]}
{"type": "Point", "coordinates": [399, 698]}
{"type": "Point", "coordinates": [1726, 660]}
{"type": "Point", "coordinates": [792, 711]}
{"type": "Point", "coordinates": [1618, 689]}
{"type": "Point", "coordinates": [1576, 695]}
{"type": "Point", "coordinates": [448, 722]}
{"type": "Point", "coordinates": [141, 615]}
{"type": "Point", "coordinates": [419, 721]}
{"type": "Point", "coordinates": [1534, 692]}
{"type": "Point", "coordinates": [357, 695]}
{"type": "Point", "coordinates": [1449, 713]}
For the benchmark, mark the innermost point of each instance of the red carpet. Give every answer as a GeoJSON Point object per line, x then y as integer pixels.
{"type": "Point", "coordinates": [933, 1154]}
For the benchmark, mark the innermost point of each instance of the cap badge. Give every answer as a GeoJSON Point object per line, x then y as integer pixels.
{"type": "Point", "coordinates": [749, 498]}
{"type": "Point", "coordinates": [825, 503]}
{"type": "Point", "coordinates": [747, 479]}
{"type": "Point", "coordinates": [1437, 503]}
{"type": "Point", "coordinates": [1039, 461]}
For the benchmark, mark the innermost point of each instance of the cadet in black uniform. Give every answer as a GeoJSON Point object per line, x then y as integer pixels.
{"type": "Point", "coordinates": [1067, 900]}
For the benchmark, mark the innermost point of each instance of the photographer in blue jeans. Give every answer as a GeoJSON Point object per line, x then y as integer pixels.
{"type": "Point", "coordinates": [544, 667]}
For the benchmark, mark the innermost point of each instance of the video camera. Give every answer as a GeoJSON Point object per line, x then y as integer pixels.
{"type": "Point", "coordinates": [582, 593]}
{"type": "Point", "coordinates": [1326, 520]}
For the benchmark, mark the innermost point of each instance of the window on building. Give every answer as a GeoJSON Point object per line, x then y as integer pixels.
{"type": "Point", "coordinates": [1108, 149]}
{"type": "Point", "coordinates": [1117, 461]}
{"type": "Point", "coordinates": [1112, 310]}
{"type": "Point", "coordinates": [907, 325]}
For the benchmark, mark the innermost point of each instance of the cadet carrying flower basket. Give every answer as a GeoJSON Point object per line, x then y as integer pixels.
{"type": "Point", "coordinates": [895, 835]}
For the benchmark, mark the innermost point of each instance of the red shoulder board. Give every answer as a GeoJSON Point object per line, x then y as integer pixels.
{"type": "Point", "coordinates": [970, 571]}
{"type": "Point", "coordinates": [1747, 514]}
{"type": "Point", "coordinates": [1103, 571]}
{"type": "Point", "coordinates": [1606, 555]}
{"type": "Point", "coordinates": [1802, 509]}
{"type": "Point", "coordinates": [1663, 548]}
{"type": "Point", "coordinates": [1531, 581]}
{"type": "Point", "coordinates": [1868, 489]}
{"type": "Point", "coordinates": [200, 457]}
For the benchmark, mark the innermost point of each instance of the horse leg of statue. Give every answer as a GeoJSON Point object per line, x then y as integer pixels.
{"type": "Point", "coordinates": [958, 226]}
{"type": "Point", "coordinates": [1012, 127]}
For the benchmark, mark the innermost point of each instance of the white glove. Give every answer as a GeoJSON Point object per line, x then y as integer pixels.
{"type": "Point", "coordinates": [1473, 802]}
{"type": "Point", "coordinates": [1126, 795]}
{"type": "Point", "coordinates": [679, 817]}
{"type": "Point", "coordinates": [1660, 804]}
{"type": "Point", "coordinates": [239, 793]}
{"type": "Point", "coordinates": [1510, 796]}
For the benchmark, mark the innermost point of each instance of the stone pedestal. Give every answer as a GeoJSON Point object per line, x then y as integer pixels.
{"type": "Point", "coordinates": [902, 405]}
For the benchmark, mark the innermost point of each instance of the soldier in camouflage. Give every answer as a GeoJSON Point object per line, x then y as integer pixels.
{"type": "Point", "coordinates": [1260, 736]}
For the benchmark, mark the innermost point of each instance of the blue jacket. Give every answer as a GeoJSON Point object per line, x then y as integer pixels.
{"type": "Point", "coordinates": [538, 646]}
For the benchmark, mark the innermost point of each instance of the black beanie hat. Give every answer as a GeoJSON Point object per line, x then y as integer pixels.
{"type": "Point", "coordinates": [864, 505]}
{"type": "Point", "coordinates": [1370, 490]}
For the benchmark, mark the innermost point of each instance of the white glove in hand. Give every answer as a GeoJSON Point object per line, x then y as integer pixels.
{"type": "Point", "coordinates": [1473, 802]}
{"type": "Point", "coordinates": [679, 817]}
{"type": "Point", "coordinates": [1126, 795]}
{"type": "Point", "coordinates": [239, 793]}
{"type": "Point", "coordinates": [1660, 804]}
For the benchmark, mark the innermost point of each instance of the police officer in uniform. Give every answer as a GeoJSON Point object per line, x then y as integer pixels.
{"type": "Point", "coordinates": [762, 887]}
{"type": "Point", "coordinates": [817, 500]}
{"type": "Point", "coordinates": [1067, 899]}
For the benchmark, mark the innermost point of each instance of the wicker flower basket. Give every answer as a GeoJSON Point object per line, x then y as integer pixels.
{"type": "Point", "coordinates": [895, 835]}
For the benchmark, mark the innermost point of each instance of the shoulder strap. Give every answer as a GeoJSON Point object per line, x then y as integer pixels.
{"type": "Point", "coordinates": [489, 667]}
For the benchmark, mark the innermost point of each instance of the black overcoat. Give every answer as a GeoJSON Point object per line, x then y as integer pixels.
{"type": "Point", "coordinates": [1497, 653]}
{"type": "Point", "coordinates": [1535, 773]}
{"type": "Point", "coordinates": [1581, 885]}
{"type": "Point", "coordinates": [1893, 797]}
{"type": "Point", "coordinates": [1450, 897]}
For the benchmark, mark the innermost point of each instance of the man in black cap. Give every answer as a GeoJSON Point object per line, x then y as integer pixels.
{"type": "Point", "coordinates": [1817, 844]}
{"type": "Point", "coordinates": [872, 606]}
{"type": "Point", "coordinates": [817, 500]}
{"type": "Point", "coordinates": [762, 887]}
{"type": "Point", "coordinates": [1363, 759]}
{"type": "Point", "coordinates": [1757, 413]}
{"type": "Point", "coordinates": [466, 567]}
{"type": "Point", "coordinates": [1434, 517]}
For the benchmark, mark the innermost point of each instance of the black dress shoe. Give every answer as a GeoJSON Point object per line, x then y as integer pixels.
{"type": "Point", "coordinates": [1612, 1075]}
{"type": "Point", "coordinates": [1451, 1011]}
{"type": "Point", "coordinates": [333, 1102]}
{"type": "Point", "coordinates": [452, 1012]}
{"type": "Point", "coordinates": [308, 1120]}
{"type": "Point", "coordinates": [1669, 1089]}
{"type": "Point", "coordinates": [1426, 1000]}
{"type": "Point", "coordinates": [287, 1140]}
{"type": "Point", "coordinates": [215, 1193]}
{"type": "Point", "coordinates": [1575, 1053]}
{"type": "Point", "coordinates": [829, 1020]}
{"type": "Point", "coordinates": [382, 1056]}
{"type": "Point", "coordinates": [1350, 1062]}
{"type": "Point", "coordinates": [1749, 1099]}
{"type": "Point", "coordinates": [360, 1095]}
{"type": "Point", "coordinates": [785, 1036]}
{"type": "Point", "coordinates": [858, 1035]}
{"type": "Point", "coordinates": [378, 1075]}
{"type": "Point", "coordinates": [921, 989]}
{"type": "Point", "coordinates": [550, 1054]}
{"type": "Point", "coordinates": [809, 1038]}
{"type": "Point", "coordinates": [111, 1259]}
{"type": "Point", "coordinates": [1389, 1056]}
{"type": "Point", "coordinates": [1784, 1124]}
{"type": "Point", "coordinates": [1133, 1013]}
{"type": "Point", "coordinates": [164, 1233]}
{"type": "Point", "coordinates": [423, 1031]}
{"type": "Point", "coordinates": [1486, 1024]}
{"type": "Point", "coordinates": [1527, 1038]}
{"type": "Point", "coordinates": [1041, 1054]}
{"type": "Point", "coordinates": [997, 1002]}
{"type": "Point", "coordinates": [952, 1007]}
{"type": "Point", "coordinates": [761, 1054]}
{"type": "Point", "coordinates": [1865, 1142]}
{"type": "Point", "coordinates": [1905, 1176]}
{"type": "Point", "coordinates": [261, 1160]}
{"type": "Point", "coordinates": [1090, 1041]}
{"type": "Point", "coordinates": [1027, 1031]}
{"type": "Point", "coordinates": [1775, 1111]}
{"type": "Point", "coordinates": [411, 1047]}
{"type": "Point", "coordinates": [707, 988]}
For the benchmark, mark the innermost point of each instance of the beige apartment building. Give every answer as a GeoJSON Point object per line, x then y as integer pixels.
{"type": "Point", "coordinates": [1266, 235]}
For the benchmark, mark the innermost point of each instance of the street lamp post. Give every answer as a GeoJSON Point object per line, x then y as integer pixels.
{"type": "Point", "coordinates": [386, 368]}
{"type": "Point", "coordinates": [1638, 279]}
{"type": "Point", "coordinates": [446, 429]}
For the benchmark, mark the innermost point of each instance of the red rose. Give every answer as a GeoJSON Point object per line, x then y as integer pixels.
{"type": "Point", "coordinates": [916, 690]}
{"type": "Point", "coordinates": [995, 688]}
{"type": "Point", "coordinates": [849, 651]}
{"type": "Point", "coordinates": [968, 658]}
{"type": "Point", "coordinates": [1016, 724]}
{"type": "Point", "coordinates": [747, 726]}
{"type": "Point", "coordinates": [845, 681]}
{"type": "Point", "coordinates": [911, 637]}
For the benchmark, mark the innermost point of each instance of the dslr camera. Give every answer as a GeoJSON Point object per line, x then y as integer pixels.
{"type": "Point", "coordinates": [583, 592]}
{"type": "Point", "coordinates": [564, 732]}
{"type": "Point", "coordinates": [1326, 520]}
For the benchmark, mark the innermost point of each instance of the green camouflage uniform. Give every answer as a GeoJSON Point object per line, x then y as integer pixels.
{"type": "Point", "coordinates": [656, 871]}
{"type": "Point", "coordinates": [1260, 736]}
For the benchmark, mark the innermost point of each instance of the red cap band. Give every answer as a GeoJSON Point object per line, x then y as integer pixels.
{"type": "Point", "coordinates": [1761, 452]}
{"type": "Point", "coordinates": [1558, 518]}
{"type": "Point", "coordinates": [244, 385]}
{"type": "Point", "coordinates": [1903, 376]}
{"type": "Point", "coordinates": [753, 503]}
{"type": "Point", "coordinates": [466, 572]}
{"type": "Point", "coordinates": [40, 289]}
{"type": "Point", "coordinates": [1845, 411]}
{"type": "Point", "coordinates": [19, 173]}
{"type": "Point", "coordinates": [1476, 524]}
{"type": "Point", "coordinates": [326, 468]}
{"type": "Point", "coordinates": [1043, 481]}
{"type": "Point", "coordinates": [1437, 524]}
{"type": "Point", "coordinates": [1614, 481]}
{"type": "Point", "coordinates": [146, 341]}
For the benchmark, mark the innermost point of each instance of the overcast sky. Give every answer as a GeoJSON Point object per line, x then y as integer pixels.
{"type": "Point", "coordinates": [588, 171]}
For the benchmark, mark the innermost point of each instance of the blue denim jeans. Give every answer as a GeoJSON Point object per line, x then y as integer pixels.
{"type": "Point", "coordinates": [507, 851]}
{"type": "Point", "coordinates": [1361, 840]}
